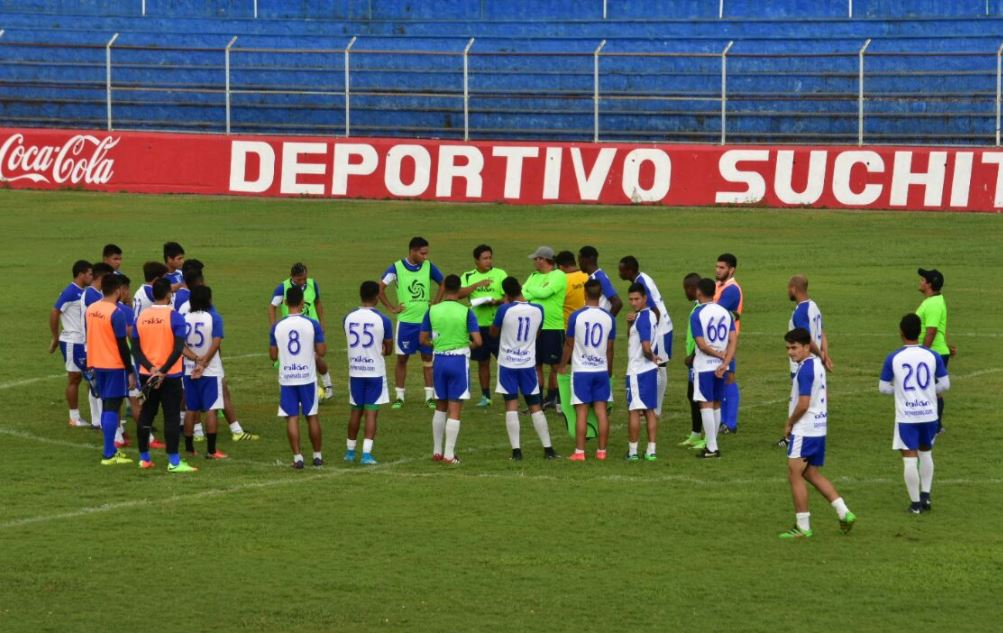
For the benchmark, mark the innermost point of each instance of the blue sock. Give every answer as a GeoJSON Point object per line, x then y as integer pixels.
{"type": "Point", "coordinates": [109, 424]}
{"type": "Point", "coordinates": [729, 407]}
{"type": "Point", "coordinates": [174, 458]}
{"type": "Point", "coordinates": [144, 456]}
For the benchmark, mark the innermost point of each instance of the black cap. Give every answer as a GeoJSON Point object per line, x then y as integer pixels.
{"type": "Point", "coordinates": [933, 277]}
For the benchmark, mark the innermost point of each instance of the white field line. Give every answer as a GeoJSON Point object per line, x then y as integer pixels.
{"type": "Point", "coordinates": [891, 334]}
{"type": "Point", "coordinates": [28, 381]}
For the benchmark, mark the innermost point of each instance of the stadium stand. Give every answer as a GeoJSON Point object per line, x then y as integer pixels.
{"type": "Point", "coordinates": [793, 70]}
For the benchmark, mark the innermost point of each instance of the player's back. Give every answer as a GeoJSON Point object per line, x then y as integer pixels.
{"type": "Point", "coordinates": [608, 291]}
{"type": "Point", "coordinates": [809, 380]}
{"type": "Point", "coordinates": [365, 330]}
{"type": "Point", "coordinates": [914, 370]}
{"type": "Point", "coordinates": [574, 293]}
{"type": "Point", "coordinates": [520, 323]}
{"type": "Point", "coordinates": [592, 328]}
{"type": "Point", "coordinates": [643, 329]}
{"type": "Point", "coordinates": [142, 299]}
{"type": "Point", "coordinates": [102, 337]}
{"type": "Point", "coordinates": [295, 337]}
{"type": "Point", "coordinates": [200, 328]}
{"type": "Point", "coordinates": [655, 301]}
{"type": "Point", "coordinates": [713, 323]}
{"type": "Point", "coordinates": [71, 317]}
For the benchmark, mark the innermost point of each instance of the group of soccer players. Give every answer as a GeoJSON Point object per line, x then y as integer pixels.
{"type": "Point", "coordinates": [164, 350]}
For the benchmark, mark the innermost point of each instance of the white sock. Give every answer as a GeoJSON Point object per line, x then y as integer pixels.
{"type": "Point", "coordinates": [317, 455]}
{"type": "Point", "coordinates": [911, 473]}
{"type": "Point", "coordinates": [95, 408]}
{"type": "Point", "coordinates": [429, 393]}
{"type": "Point", "coordinates": [438, 428]}
{"type": "Point", "coordinates": [540, 424]}
{"type": "Point", "coordinates": [297, 457]}
{"type": "Point", "coordinates": [804, 520]}
{"type": "Point", "coordinates": [119, 437]}
{"type": "Point", "coordinates": [75, 414]}
{"type": "Point", "coordinates": [840, 506]}
{"type": "Point", "coordinates": [717, 420]}
{"type": "Point", "coordinates": [709, 428]}
{"type": "Point", "coordinates": [198, 429]}
{"type": "Point", "coordinates": [350, 444]}
{"type": "Point", "coordinates": [400, 393]}
{"type": "Point", "coordinates": [662, 381]}
{"type": "Point", "coordinates": [452, 430]}
{"type": "Point", "coordinates": [326, 379]}
{"type": "Point", "coordinates": [512, 426]}
{"type": "Point", "coordinates": [925, 471]}
{"type": "Point", "coordinates": [632, 448]}
{"type": "Point", "coordinates": [367, 446]}
{"type": "Point", "coordinates": [651, 449]}
{"type": "Point", "coordinates": [235, 428]}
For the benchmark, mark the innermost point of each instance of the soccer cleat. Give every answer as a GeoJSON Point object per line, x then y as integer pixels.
{"type": "Point", "coordinates": [725, 430]}
{"type": "Point", "coordinates": [298, 464]}
{"type": "Point", "coordinates": [156, 444]}
{"type": "Point", "coordinates": [199, 437]}
{"type": "Point", "coordinates": [484, 402]}
{"type": "Point", "coordinates": [549, 404]}
{"type": "Point", "coordinates": [699, 445]}
{"type": "Point", "coordinates": [601, 454]}
{"type": "Point", "coordinates": [182, 467]}
{"type": "Point", "coordinates": [318, 462]}
{"type": "Point", "coordinates": [146, 465]}
{"type": "Point", "coordinates": [846, 523]}
{"type": "Point", "coordinates": [632, 458]}
{"type": "Point", "coordinates": [349, 455]}
{"type": "Point", "coordinates": [436, 457]}
{"type": "Point", "coordinates": [217, 455]}
{"type": "Point", "coordinates": [122, 443]}
{"type": "Point", "coordinates": [328, 393]}
{"type": "Point", "coordinates": [244, 436]}
{"type": "Point", "coordinates": [430, 403]}
{"type": "Point", "coordinates": [516, 455]}
{"type": "Point", "coordinates": [650, 457]}
{"type": "Point", "coordinates": [916, 508]}
{"type": "Point", "coordinates": [690, 439]}
{"type": "Point", "coordinates": [576, 457]}
{"type": "Point", "coordinates": [118, 458]}
{"type": "Point", "coordinates": [795, 533]}
{"type": "Point", "coordinates": [79, 424]}
{"type": "Point", "coordinates": [451, 461]}
{"type": "Point", "coordinates": [398, 404]}
{"type": "Point", "coordinates": [924, 499]}
{"type": "Point", "coordinates": [706, 454]}
{"type": "Point", "coordinates": [550, 454]}
{"type": "Point", "coordinates": [368, 460]}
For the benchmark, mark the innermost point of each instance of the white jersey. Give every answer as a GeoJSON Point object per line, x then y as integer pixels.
{"type": "Point", "coordinates": [714, 324]}
{"type": "Point", "coordinates": [365, 331]}
{"type": "Point", "coordinates": [915, 375]}
{"type": "Point", "coordinates": [809, 380]}
{"type": "Point", "coordinates": [644, 329]}
{"type": "Point", "coordinates": [71, 314]}
{"type": "Point", "coordinates": [519, 323]}
{"type": "Point", "coordinates": [608, 292]}
{"type": "Point", "coordinates": [200, 329]}
{"type": "Point", "coordinates": [142, 300]}
{"type": "Point", "coordinates": [655, 301]}
{"type": "Point", "coordinates": [807, 315]}
{"type": "Point", "coordinates": [592, 328]}
{"type": "Point", "coordinates": [295, 337]}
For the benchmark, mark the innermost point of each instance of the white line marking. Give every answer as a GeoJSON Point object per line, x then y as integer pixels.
{"type": "Point", "coordinates": [888, 335]}
{"type": "Point", "coordinates": [45, 440]}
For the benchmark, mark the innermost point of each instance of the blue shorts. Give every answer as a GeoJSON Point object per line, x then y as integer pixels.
{"type": "Point", "coordinates": [293, 398]}
{"type": "Point", "coordinates": [74, 356]}
{"type": "Point", "coordinates": [406, 342]}
{"type": "Point", "coordinates": [512, 382]}
{"type": "Point", "coordinates": [589, 386]}
{"type": "Point", "coordinates": [910, 436]}
{"type": "Point", "coordinates": [810, 449]}
{"type": "Point", "coordinates": [203, 394]}
{"type": "Point", "coordinates": [549, 347]}
{"type": "Point", "coordinates": [451, 376]}
{"type": "Point", "coordinates": [488, 348]}
{"type": "Point", "coordinates": [642, 390]}
{"type": "Point", "coordinates": [111, 383]}
{"type": "Point", "coordinates": [707, 387]}
{"type": "Point", "coordinates": [368, 390]}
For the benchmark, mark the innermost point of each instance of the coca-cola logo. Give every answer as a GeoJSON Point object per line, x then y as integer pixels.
{"type": "Point", "coordinates": [83, 158]}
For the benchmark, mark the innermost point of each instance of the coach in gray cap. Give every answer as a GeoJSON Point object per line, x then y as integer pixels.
{"type": "Point", "coordinates": [547, 288]}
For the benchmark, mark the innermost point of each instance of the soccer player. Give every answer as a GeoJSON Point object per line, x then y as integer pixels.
{"type": "Point", "coordinates": [694, 440]}
{"type": "Point", "coordinates": [630, 271]}
{"type": "Point", "coordinates": [588, 261]}
{"type": "Point", "coordinates": [174, 259]}
{"type": "Point", "coordinates": [312, 309]}
{"type": "Point", "coordinates": [108, 358]}
{"type": "Point", "coordinates": [642, 373]}
{"type": "Point", "coordinates": [92, 294]}
{"type": "Point", "coordinates": [575, 278]}
{"type": "Point", "coordinates": [158, 343]}
{"type": "Point", "coordinates": [547, 287]}
{"type": "Point", "coordinates": [413, 276]}
{"type": "Point", "coordinates": [516, 326]}
{"type": "Point", "coordinates": [143, 298]}
{"type": "Point", "coordinates": [203, 378]}
{"type": "Point", "coordinates": [450, 329]}
{"type": "Point", "coordinates": [589, 349]}
{"type": "Point", "coordinates": [124, 304]}
{"type": "Point", "coordinates": [66, 323]}
{"type": "Point", "coordinates": [297, 341]}
{"type": "Point", "coordinates": [932, 313]}
{"type": "Point", "coordinates": [729, 295]}
{"type": "Point", "coordinates": [714, 335]}
{"type": "Point", "coordinates": [805, 431]}
{"type": "Point", "coordinates": [483, 285]}
{"type": "Point", "coordinates": [191, 274]}
{"type": "Point", "coordinates": [806, 315]}
{"type": "Point", "coordinates": [370, 337]}
{"type": "Point", "coordinates": [111, 254]}
{"type": "Point", "coordinates": [915, 375]}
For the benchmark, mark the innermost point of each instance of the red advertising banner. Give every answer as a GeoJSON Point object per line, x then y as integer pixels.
{"type": "Point", "coordinates": [870, 177]}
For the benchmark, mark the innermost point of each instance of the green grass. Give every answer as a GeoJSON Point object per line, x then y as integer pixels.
{"type": "Point", "coordinates": [250, 545]}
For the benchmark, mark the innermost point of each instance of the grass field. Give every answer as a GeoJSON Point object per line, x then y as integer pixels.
{"type": "Point", "coordinates": [251, 545]}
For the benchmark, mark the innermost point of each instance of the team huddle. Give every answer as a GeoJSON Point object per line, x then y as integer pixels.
{"type": "Point", "coordinates": [552, 337]}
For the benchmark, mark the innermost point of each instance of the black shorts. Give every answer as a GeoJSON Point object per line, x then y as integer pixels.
{"type": "Point", "coordinates": [549, 347]}
{"type": "Point", "coordinates": [488, 348]}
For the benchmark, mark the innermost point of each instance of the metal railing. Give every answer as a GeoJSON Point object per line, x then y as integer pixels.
{"type": "Point", "coordinates": [623, 95]}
